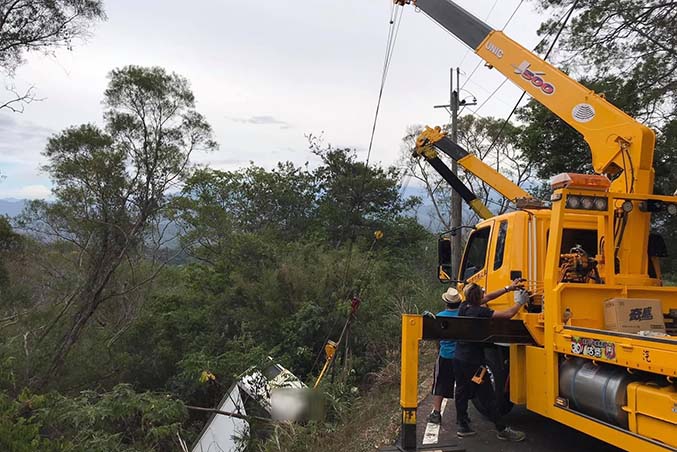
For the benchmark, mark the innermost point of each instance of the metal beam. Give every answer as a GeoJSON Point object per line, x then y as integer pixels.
{"type": "Point", "coordinates": [466, 27]}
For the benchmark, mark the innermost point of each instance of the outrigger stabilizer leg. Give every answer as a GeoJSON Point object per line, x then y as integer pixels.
{"type": "Point", "coordinates": [416, 328]}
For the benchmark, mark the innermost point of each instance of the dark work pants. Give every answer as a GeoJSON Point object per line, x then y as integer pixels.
{"type": "Point", "coordinates": [466, 389]}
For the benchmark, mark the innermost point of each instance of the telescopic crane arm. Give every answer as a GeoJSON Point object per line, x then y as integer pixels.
{"type": "Point", "coordinates": [618, 143]}
{"type": "Point", "coordinates": [431, 139]}
{"type": "Point", "coordinates": [431, 156]}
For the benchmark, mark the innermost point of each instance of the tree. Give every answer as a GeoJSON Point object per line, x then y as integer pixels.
{"type": "Point", "coordinates": [9, 240]}
{"type": "Point", "coordinates": [215, 204]}
{"type": "Point", "coordinates": [40, 26]}
{"type": "Point", "coordinates": [355, 199]}
{"type": "Point", "coordinates": [111, 188]}
{"type": "Point", "coordinates": [120, 420]}
{"type": "Point", "coordinates": [631, 39]}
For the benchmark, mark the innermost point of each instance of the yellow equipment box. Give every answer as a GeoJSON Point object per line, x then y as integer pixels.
{"type": "Point", "coordinates": [652, 412]}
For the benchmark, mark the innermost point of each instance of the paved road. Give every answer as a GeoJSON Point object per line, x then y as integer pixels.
{"type": "Point", "coordinates": [542, 434]}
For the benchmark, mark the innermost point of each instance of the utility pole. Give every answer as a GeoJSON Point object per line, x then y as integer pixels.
{"type": "Point", "coordinates": [456, 210]}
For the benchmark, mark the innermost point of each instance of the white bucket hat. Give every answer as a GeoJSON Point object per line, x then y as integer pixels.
{"type": "Point", "coordinates": [451, 296]}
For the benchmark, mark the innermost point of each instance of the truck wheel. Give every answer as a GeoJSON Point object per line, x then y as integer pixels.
{"type": "Point", "coordinates": [497, 361]}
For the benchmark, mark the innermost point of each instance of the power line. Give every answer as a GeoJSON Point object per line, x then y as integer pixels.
{"type": "Point", "coordinates": [504, 26]}
{"type": "Point", "coordinates": [486, 19]}
{"type": "Point", "coordinates": [513, 14]}
{"type": "Point", "coordinates": [547, 54]}
{"type": "Point", "coordinates": [489, 97]}
{"type": "Point", "coordinates": [393, 31]}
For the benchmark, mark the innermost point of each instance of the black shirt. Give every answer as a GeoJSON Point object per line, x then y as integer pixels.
{"type": "Point", "coordinates": [472, 351]}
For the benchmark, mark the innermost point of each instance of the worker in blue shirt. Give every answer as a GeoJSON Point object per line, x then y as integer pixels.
{"type": "Point", "coordinates": [443, 378]}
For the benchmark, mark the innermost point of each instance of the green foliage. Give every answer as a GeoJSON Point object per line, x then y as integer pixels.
{"type": "Point", "coordinates": [117, 421]}
{"type": "Point", "coordinates": [9, 241]}
{"type": "Point", "coordinates": [42, 25]}
{"type": "Point", "coordinates": [269, 279]}
{"type": "Point", "coordinates": [337, 202]}
{"type": "Point", "coordinates": [270, 261]}
{"type": "Point", "coordinates": [217, 204]}
{"type": "Point", "coordinates": [354, 199]}
{"type": "Point", "coordinates": [632, 39]}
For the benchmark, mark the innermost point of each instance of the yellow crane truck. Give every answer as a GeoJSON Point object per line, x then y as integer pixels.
{"type": "Point", "coordinates": [595, 348]}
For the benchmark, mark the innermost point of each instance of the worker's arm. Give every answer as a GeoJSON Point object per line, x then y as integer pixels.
{"type": "Point", "coordinates": [516, 284]}
{"type": "Point", "coordinates": [511, 311]}
{"type": "Point", "coordinates": [507, 313]}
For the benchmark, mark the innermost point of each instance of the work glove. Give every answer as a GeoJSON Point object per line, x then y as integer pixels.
{"type": "Point", "coordinates": [522, 297]}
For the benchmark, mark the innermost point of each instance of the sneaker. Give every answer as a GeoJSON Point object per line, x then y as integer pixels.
{"type": "Point", "coordinates": [465, 430]}
{"type": "Point", "coordinates": [508, 434]}
{"type": "Point", "coordinates": [435, 417]}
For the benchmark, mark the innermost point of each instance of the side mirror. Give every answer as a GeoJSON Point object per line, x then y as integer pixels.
{"type": "Point", "coordinates": [444, 270]}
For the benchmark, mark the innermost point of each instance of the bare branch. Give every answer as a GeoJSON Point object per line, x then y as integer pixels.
{"type": "Point", "coordinates": [20, 100]}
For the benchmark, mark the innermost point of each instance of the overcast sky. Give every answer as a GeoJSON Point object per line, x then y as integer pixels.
{"type": "Point", "coordinates": [265, 74]}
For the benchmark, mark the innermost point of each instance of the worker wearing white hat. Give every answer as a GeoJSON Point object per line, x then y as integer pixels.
{"type": "Point", "coordinates": [443, 379]}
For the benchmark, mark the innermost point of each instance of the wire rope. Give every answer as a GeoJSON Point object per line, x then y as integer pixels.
{"type": "Point", "coordinates": [393, 31]}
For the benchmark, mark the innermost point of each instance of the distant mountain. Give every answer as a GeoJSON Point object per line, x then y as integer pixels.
{"type": "Point", "coordinates": [12, 206]}
{"type": "Point", "coordinates": [424, 214]}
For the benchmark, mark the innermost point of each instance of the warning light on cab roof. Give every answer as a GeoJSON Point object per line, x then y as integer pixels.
{"type": "Point", "coordinates": [585, 181]}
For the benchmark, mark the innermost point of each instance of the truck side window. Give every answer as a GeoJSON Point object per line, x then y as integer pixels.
{"type": "Point", "coordinates": [500, 244]}
{"type": "Point", "coordinates": [586, 238]}
{"type": "Point", "coordinates": [475, 252]}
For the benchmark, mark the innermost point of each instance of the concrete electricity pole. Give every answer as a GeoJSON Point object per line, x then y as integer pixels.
{"type": "Point", "coordinates": [456, 210]}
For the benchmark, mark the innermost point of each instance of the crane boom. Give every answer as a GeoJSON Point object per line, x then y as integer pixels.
{"type": "Point", "coordinates": [618, 142]}
{"type": "Point", "coordinates": [434, 137]}
{"type": "Point", "coordinates": [426, 151]}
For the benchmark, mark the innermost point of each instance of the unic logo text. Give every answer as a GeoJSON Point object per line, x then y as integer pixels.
{"type": "Point", "coordinates": [493, 48]}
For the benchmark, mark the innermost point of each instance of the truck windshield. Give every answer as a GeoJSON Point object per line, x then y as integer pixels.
{"type": "Point", "coordinates": [475, 252]}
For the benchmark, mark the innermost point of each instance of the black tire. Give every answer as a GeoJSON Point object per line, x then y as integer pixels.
{"type": "Point", "coordinates": [498, 364]}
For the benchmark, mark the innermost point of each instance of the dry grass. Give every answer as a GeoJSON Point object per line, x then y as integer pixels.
{"type": "Point", "coordinates": [375, 418]}
{"type": "Point", "coordinates": [372, 421]}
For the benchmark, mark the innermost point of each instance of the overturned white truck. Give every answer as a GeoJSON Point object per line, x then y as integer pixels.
{"type": "Point", "coordinates": [271, 386]}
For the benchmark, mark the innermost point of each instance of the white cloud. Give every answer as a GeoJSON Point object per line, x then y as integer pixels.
{"type": "Point", "coordinates": [21, 141]}
{"type": "Point", "coordinates": [26, 192]}
{"type": "Point", "coordinates": [312, 68]}
{"type": "Point", "coordinates": [262, 120]}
